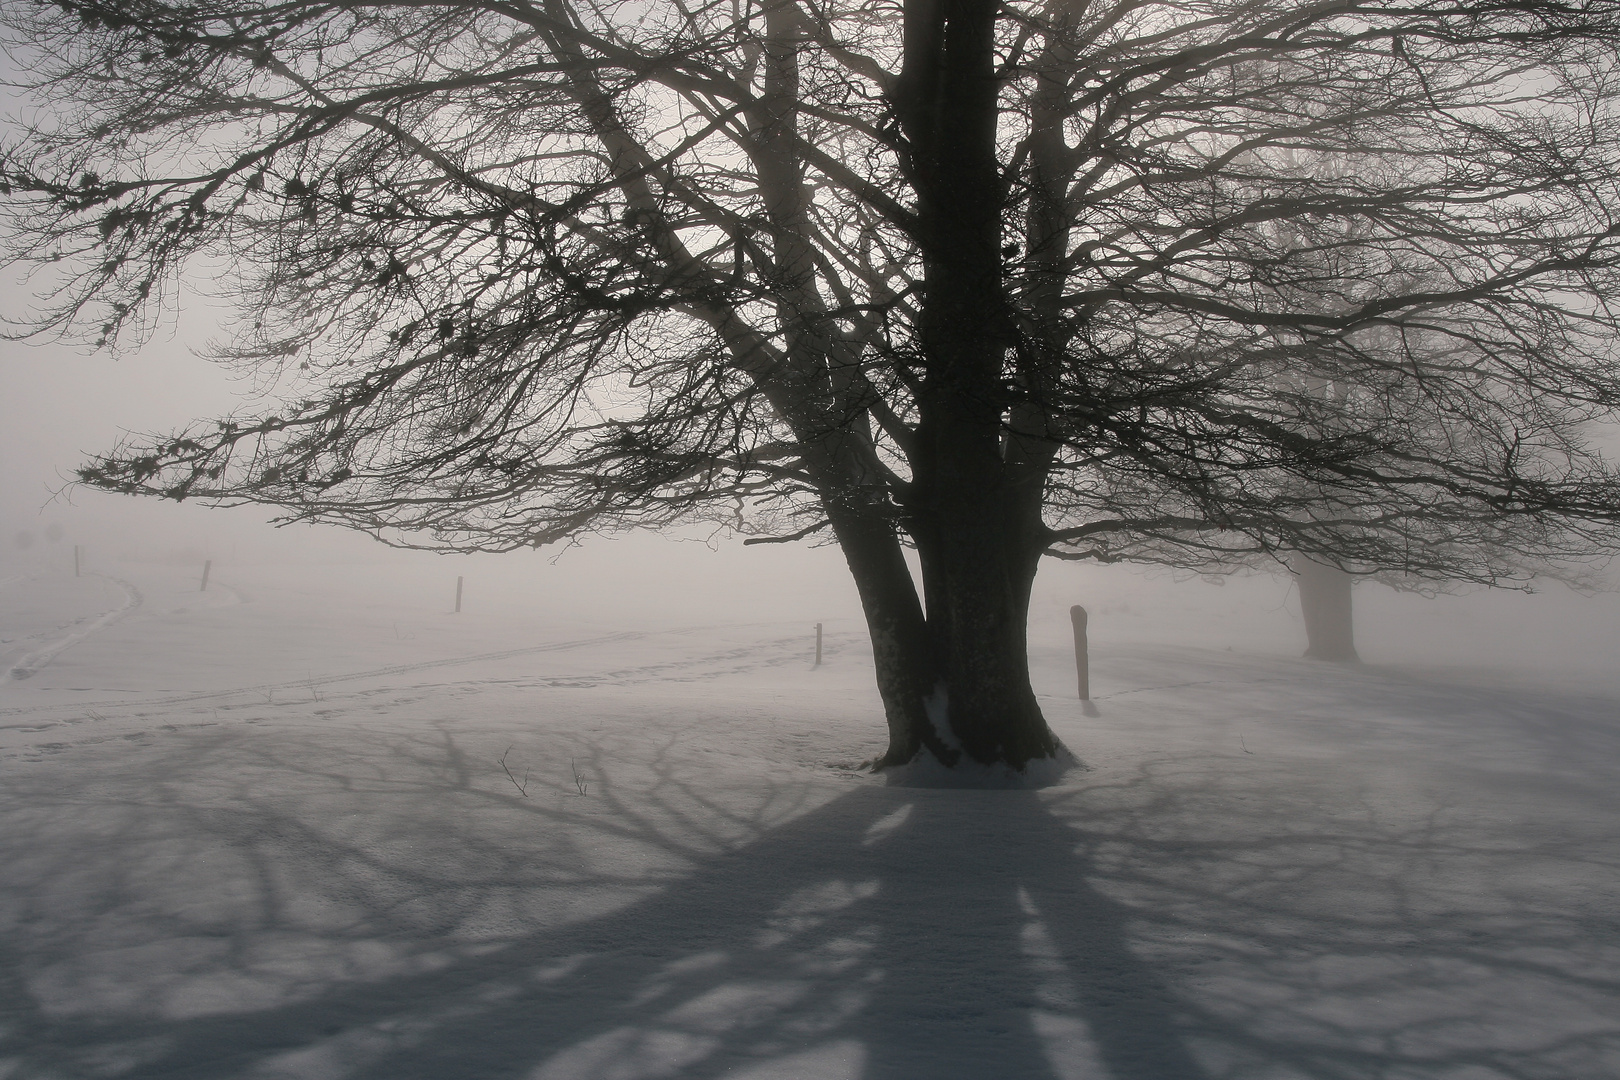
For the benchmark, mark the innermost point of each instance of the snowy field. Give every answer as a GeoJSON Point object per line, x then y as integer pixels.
{"type": "Point", "coordinates": [266, 831]}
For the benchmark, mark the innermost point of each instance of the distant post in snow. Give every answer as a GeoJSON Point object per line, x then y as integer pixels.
{"type": "Point", "coordinates": [458, 594]}
{"type": "Point", "coordinates": [208, 564]}
{"type": "Point", "coordinates": [818, 644]}
{"type": "Point", "coordinates": [1082, 665]}
{"type": "Point", "coordinates": [75, 560]}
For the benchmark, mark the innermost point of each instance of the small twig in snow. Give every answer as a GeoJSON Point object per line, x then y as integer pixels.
{"type": "Point", "coordinates": [523, 788]}
{"type": "Point", "coordinates": [579, 781]}
{"type": "Point", "coordinates": [1243, 744]}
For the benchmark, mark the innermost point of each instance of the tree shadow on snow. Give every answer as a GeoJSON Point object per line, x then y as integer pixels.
{"type": "Point", "coordinates": [886, 934]}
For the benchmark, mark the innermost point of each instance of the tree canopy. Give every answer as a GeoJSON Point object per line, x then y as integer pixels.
{"type": "Point", "coordinates": [1193, 282]}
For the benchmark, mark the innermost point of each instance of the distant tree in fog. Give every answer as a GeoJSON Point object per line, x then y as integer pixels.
{"type": "Point", "coordinates": [1196, 283]}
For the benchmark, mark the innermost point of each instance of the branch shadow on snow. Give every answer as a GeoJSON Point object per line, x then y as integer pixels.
{"type": "Point", "coordinates": [398, 916]}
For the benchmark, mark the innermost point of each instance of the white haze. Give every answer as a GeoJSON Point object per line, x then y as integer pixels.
{"type": "Point", "coordinates": [59, 405]}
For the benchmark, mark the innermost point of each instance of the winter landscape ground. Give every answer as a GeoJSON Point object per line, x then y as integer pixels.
{"type": "Point", "coordinates": [266, 831]}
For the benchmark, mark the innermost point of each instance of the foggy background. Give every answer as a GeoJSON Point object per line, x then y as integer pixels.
{"type": "Point", "coordinates": [60, 404]}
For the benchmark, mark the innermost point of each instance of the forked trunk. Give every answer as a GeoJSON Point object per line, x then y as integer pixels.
{"type": "Point", "coordinates": [956, 678]}
{"type": "Point", "coordinates": [1324, 600]}
{"type": "Point", "coordinates": [954, 682]}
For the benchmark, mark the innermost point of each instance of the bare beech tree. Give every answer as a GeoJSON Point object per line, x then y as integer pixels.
{"type": "Point", "coordinates": [990, 280]}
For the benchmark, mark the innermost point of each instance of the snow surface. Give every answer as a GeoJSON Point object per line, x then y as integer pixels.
{"type": "Point", "coordinates": [265, 831]}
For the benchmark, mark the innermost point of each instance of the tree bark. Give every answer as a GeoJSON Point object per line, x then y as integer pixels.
{"type": "Point", "coordinates": [954, 681]}
{"type": "Point", "coordinates": [1324, 599]}
{"type": "Point", "coordinates": [977, 576]}
{"type": "Point", "coordinates": [894, 619]}
{"type": "Point", "coordinates": [973, 503]}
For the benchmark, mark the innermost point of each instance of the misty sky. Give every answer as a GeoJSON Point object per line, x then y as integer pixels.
{"type": "Point", "coordinates": [60, 403]}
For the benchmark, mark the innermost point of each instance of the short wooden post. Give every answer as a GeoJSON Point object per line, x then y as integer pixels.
{"type": "Point", "coordinates": [458, 595]}
{"type": "Point", "coordinates": [208, 564]}
{"type": "Point", "coordinates": [1082, 666]}
{"type": "Point", "coordinates": [75, 560]}
{"type": "Point", "coordinates": [818, 644]}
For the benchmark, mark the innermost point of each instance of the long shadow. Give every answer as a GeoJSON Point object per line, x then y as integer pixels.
{"type": "Point", "coordinates": [883, 935]}
{"type": "Point", "coordinates": [989, 891]}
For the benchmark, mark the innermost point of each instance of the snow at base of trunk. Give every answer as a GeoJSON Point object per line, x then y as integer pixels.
{"type": "Point", "coordinates": [938, 709]}
{"type": "Point", "coordinates": [927, 771]}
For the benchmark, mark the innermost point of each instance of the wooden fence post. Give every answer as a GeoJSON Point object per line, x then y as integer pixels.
{"type": "Point", "coordinates": [458, 595]}
{"type": "Point", "coordinates": [208, 564]}
{"type": "Point", "coordinates": [1082, 664]}
{"type": "Point", "coordinates": [818, 644]}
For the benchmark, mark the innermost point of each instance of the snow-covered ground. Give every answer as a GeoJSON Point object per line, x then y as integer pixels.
{"type": "Point", "coordinates": [311, 823]}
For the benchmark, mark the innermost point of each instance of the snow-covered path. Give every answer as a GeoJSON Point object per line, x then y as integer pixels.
{"type": "Point", "coordinates": [26, 645]}
{"type": "Point", "coordinates": [274, 839]}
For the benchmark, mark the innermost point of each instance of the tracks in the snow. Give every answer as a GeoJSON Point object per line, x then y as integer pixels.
{"type": "Point", "coordinates": [53, 642]}
{"type": "Point", "coordinates": [768, 653]}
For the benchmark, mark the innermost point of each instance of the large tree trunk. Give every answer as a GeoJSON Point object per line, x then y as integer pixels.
{"type": "Point", "coordinates": [1324, 599]}
{"type": "Point", "coordinates": [954, 682]}
{"type": "Point", "coordinates": [973, 501]}
{"type": "Point", "coordinates": [977, 575]}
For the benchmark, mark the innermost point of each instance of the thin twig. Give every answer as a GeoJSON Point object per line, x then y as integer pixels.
{"type": "Point", "coordinates": [579, 781]}
{"type": "Point", "coordinates": [523, 788]}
